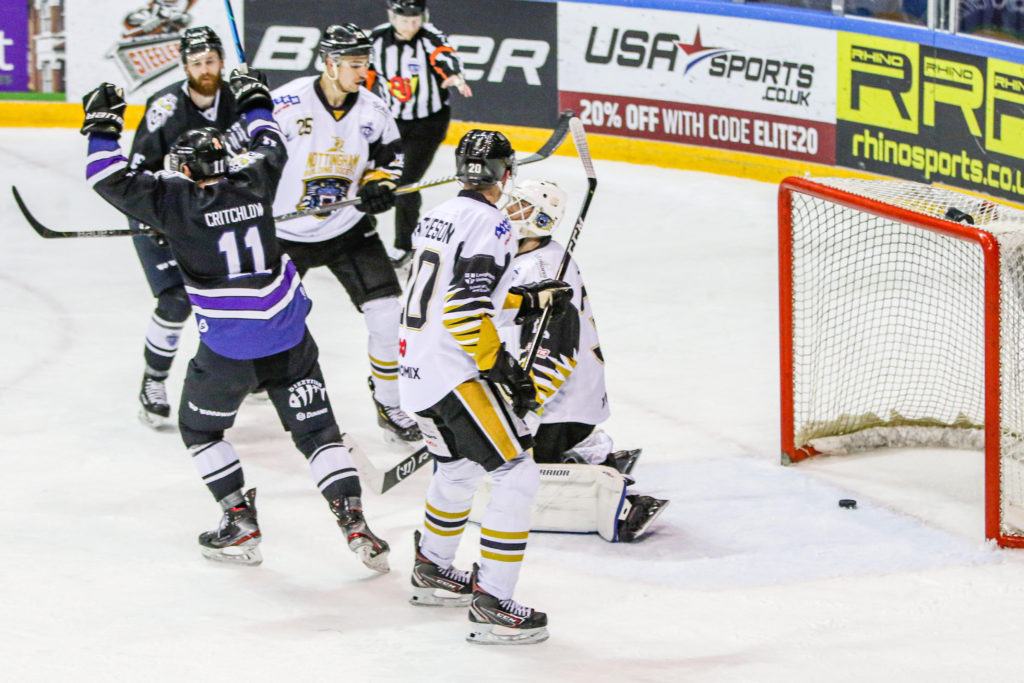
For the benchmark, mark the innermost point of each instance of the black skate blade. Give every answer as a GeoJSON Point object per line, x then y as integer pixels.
{"type": "Point", "coordinates": [653, 512]}
{"type": "Point", "coordinates": [246, 554]}
{"type": "Point", "coordinates": [625, 461]}
{"type": "Point", "coordinates": [485, 634]}
{"type": "Point", "coordinates": [424, 596]}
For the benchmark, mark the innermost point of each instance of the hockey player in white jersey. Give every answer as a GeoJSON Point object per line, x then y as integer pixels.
{"type": "Point", "coordinates": [454, 376]}
{"type": "Point", "coordinates": [569, 373]}
{"type": "Point", "coordinates": [343, 143]}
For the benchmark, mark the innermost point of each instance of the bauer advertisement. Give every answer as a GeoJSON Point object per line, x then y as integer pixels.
{"type": "Point", "coordinates": [724, 82]}
{"type": "Point", "coordinates": [931, 115]}
{"type": "Point", "coordinates": [134, 43]}
{"type": "Point", "coordinates": [510, 63]}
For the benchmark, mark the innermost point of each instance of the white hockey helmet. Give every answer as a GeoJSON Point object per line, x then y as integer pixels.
{"type": "Point", "coordinates": [535, 207]}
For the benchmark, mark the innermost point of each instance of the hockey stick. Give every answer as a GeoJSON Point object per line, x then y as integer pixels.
{"type": "Point", "coordinates": [579, 136]}
{"type": "Point", "coordinates": [382, 481]}
{"type": "Point", "coordinates": [546, 150]}
{"type": "Point", "coordinates": [48, 233]}
{"type": "Point", "coordinates": [243, 67]}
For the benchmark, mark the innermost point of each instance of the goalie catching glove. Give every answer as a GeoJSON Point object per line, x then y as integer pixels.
{"type": "Point", "coordinates": [250, 91]}
{"type": "Point", "coordinates": [376, 196]}
{"type": "Point", "coordinates": [536, 296]}
{"type": "Point", "coordinates": [509, 374]}
{"type": "Point", "coordinates": [104, 110]}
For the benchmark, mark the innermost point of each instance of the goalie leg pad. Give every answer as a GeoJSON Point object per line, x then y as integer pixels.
{"type": "Point", "coordinates": [571, 498]}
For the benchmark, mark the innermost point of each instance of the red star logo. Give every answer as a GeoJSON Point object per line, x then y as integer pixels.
{"type": "Point", "coordinates": [401, 347]}
{"type": "Point", "coordinates": [696, 46]}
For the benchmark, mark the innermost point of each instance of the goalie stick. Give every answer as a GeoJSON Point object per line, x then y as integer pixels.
{"type": "Point", "coordinates": [382, 481]}
{"type": "Point", "coordinates": [579, 137]}
{"type": "Point", "coordinates": [546, 150]}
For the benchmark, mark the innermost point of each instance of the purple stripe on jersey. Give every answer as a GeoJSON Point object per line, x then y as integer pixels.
{"type": "Point", "coordinates": [103, 164]}
{"type": "Point", "coordinates": [103, 143]}
{"type": "Point", "coordinates": [246, 339]}
{"type": "Point", "coordinates": [249, 303]}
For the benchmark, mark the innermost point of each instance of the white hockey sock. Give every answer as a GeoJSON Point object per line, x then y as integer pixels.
{"type": "Point", "coordinates": [334, 472]}
{"type": "Point", "coordinates": [381, 316]}
{"type": "Point", "coordinates": [505, 526]}
{"type": "Point", "coordinates": [163, 336]}
{"type": "Point", "coordinates": [449, 500]}
{"type": "Point", "coordinates": [218, 465]}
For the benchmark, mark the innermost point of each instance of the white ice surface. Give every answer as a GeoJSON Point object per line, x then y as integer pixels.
{"type": "Point", "coordinates": [752, 574]}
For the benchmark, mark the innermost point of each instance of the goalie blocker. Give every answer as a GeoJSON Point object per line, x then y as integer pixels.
{"type": "Point", "coordinates": [584, 499]}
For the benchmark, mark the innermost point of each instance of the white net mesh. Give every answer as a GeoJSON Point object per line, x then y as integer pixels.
{"type": "Point", "coordinates": [888, 325]}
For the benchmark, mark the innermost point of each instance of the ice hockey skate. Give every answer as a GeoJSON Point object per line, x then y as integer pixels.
{"type": "Point", "coordinates": [641, 514]}
{"type": "Point", "coordinates": [503, 622]}
{"type": "Point", "coordinates": [155, 409]}
{"type": "Point", "coordinates": [237, 539]}
{"type": "Point", "coordinates": [397, 425]}
{"type": "Point", "coordinates": [435, 586]}
{"type": "Point", "coordinates": [372, 550]}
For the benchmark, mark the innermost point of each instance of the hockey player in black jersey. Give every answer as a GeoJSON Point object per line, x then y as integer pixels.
{"type": "Point", "coordinates": [216, 215]}
{"type": "Point", "coordinates": [202, 99]}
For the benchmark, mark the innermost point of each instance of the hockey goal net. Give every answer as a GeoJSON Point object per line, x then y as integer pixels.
{"type": "Point", "coordinates": [902, 325]}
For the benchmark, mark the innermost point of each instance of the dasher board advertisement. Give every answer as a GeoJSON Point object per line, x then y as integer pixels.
{"type": "Point", "coordinates": [727, 82]}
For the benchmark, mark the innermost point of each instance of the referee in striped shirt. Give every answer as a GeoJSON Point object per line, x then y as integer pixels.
{"type": "Point", "coordinates": [412, 67]}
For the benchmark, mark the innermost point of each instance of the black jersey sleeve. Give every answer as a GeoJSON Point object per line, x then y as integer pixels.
{"type": "Point", "coordinates": [262, 166]}
{"type": "Point", "coordinates": [141, 195]}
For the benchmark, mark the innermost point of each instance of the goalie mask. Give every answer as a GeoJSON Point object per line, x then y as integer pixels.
{"type": "Point", "coordinates": [483, 156]}
{"type": "Point", "coordinates": [203, 150]}
{"type": "Point", "coordinates": [535, 207]}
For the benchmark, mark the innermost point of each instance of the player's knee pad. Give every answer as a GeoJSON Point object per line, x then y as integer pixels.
{"type": "Point", "coordinates": [194, 437]}
{"type": "Point", "coordinates": [515, 483]}
{"type": "Point", "coordinates": [173, 305]}
{"type": "Point", "coordinates": [382, 317]}
{"type": "Point", "coordinates": [309, 442]}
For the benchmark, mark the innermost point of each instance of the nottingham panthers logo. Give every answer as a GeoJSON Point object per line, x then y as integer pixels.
{"type": "Point", "coordinates": [305, 392]}
{"type": "Point", "coordinates": [322, 191]}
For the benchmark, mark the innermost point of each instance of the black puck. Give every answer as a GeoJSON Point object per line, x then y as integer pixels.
{"type": "Point", "coordinates": [848, 503]}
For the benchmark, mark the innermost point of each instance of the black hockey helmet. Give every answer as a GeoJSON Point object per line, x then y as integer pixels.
{"type": "Point", "coordinates": [483, 156]}
{"type": "Point", "coordinates": [199, 39]}
{"type": "Point", "coordinates": [408, 8]}
{"type": "Point", "coordinates": [204, 150]}
{"type": "Point", "coordinates": [344, 40]}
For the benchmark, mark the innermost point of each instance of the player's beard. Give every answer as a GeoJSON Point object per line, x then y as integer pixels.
{"type": "Point", "coordinates": [206, 85]}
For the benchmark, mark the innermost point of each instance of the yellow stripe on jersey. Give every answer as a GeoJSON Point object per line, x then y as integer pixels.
{"type": "Point", "coordinates": [550, 379]}
{"type": "Point", "coordinates": [513, 301]}
{"type": "Point", "coordinates": [478, 402]}
{"type": "Point", "coordinates": [487, 555]}
{"type": "Point", "coordinates": [446, 515]}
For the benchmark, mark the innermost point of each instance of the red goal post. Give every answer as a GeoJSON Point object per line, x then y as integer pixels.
{"type": "Point", "coordinates": [902, 328]}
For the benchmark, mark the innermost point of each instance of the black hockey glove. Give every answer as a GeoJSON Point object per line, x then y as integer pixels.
{"type": "Point", "coordinates": [539, 295]}
{"type": "Point", "coordinates": [104, 110]}
{"type": "Point", "coordinates": [250, 91]}
{"type": "Point", "coordinates": [508, 373]}
{"type": "Point", "coordinates": [376, 196]}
